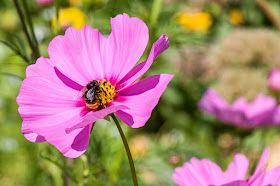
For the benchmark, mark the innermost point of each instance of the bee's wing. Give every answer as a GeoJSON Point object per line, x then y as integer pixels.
{"type": "Point", "coordinates": [80, 93]}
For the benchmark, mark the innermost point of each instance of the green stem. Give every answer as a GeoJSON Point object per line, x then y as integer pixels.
{"type": "Point", "coordinates": [12, 75]}
{"type": "Point", "coordinates": [24, 25]}
{"type": "Point", "coordinates": [155, 12]}
{"type": "Point", "coordinates": [59, 165]}
{"type": "Point", "coordinates": [132, 168]}
{"type": "Point", "coordinates": [264, 5]}
{"type": "Point", "coordinates": [16, 50]}
{"type": "Point", "coordinates": [37, 52]}
{"type": "Point", "coordinates": [57, 4]}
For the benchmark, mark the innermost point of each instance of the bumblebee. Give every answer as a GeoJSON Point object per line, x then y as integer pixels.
{"type": "Point", "coordinates": [91, 95]}
{"type": "Point", "coordinates": [98, 94]}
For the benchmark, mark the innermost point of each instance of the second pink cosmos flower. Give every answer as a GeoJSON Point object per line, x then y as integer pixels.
{"type": "Point", "coordinates": [86, 78]}
{"type": "Point", "coordinates": [205, 173]}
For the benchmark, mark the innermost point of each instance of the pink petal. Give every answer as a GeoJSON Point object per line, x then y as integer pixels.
{"type": "Point", "coordinates": [272, 177]}
{"type": "Point", "coordinates": [30, 135]}
{"type": "Point", "coordinates": [80, 142]}
{"type": "Point", "coordinates": [211, 102]}
{"type": "Point", "coordinates": [141, 98]}
{"type": "Point", "coordinates": [258, 180]}
{"type": "Point", "coordinates": [237, 183]}
{"type": "Point", "coordinates": [40, 97]}
{"type": "Point", "coordinates": [261, 110]}
{"type": "Point", "coordinates": [44, 68]}
{"type": "Point", "coordinates": [198, 172]}
{"type": "Point", "coordinates": [276, 116]}
{"type": "Point", "coordinates": [53, 128]}
{"type": "Point", "coordinates": [260, 165]}
{"type": "Point", "coordinates": [187, 175]}
{"type": "Point", "coordinates": [274, 79]}
{"type": "Point", "coordinates": [77, 54]}
{"type": "Point", "coordinates": [208, 171]}
{"type": "Point", "coordinates": [134, 74]}
{"type": "Point", "coordinates": [237, 169]}
{"type": "Point", "coordinates": [48, 107]}
{"type": "Point", "coordinates": [100, 114]}
{"type": "Point", "coordinates": [215, 105]}
{"type": "Point", "coordinates": [236, 117]}
{"type": "Point", "coordinates": [124, 47]}
{"type": "Point", "coordinates": [240, 104]}
{"type": "Point", "coordinates": [247, 115]}
{"type": "Point", "coordinates": [179, 177]}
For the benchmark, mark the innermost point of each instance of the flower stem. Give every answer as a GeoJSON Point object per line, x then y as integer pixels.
{"type": "Point", "coordinates": [156, 8]}
{"type": "Point", "coordinates": [264, 5]}
{"type": "Point", "coordinates": [36, 46]}
{"type": "Point", "coordinates": [20, 13]}
{"type": "Point", "coordinates": [132, 168]}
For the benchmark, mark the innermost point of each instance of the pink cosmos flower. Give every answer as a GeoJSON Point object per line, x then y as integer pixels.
{"type": "Point", "coordinates": [44, 2]}
{"type": "Point", "coordinates": [274, 79]}
{"type": "Point", "coordinates": [207, 173]}
{"type": "Point", "coordinates": [87, 77]}
{"type": "Point", "coordinates": [261, 112]}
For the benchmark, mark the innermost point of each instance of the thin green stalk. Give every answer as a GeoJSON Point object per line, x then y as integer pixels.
{"type": "Point", "coordinates": [57, 5]}
{"type": "Point", "coordinates": [16, 50]}
{"type": "Point", "coordinates": [27, 13]}
{"type": "Point", "coordinates": [156, 8]}
{"type": "Point", "coordinates": [264, 5]}
{"type": "Point", "coordinates": [59, 165]}
{"type": "Point", "coordinates": [24, 25]}
{"type": "Point", "coordinates": [132, 168]}
{"type": "Point", "coordinates": [12, 75]}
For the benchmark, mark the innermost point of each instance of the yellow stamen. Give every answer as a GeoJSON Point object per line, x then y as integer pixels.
{"type": "Point", "coordinates": [107, 92]}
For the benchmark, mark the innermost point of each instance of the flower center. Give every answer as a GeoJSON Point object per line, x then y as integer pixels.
{"type": "Point", "coordinates": [98, 93]}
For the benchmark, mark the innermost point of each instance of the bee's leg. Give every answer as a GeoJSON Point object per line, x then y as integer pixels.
{"type": "Point", "coordinates": [100, 101]}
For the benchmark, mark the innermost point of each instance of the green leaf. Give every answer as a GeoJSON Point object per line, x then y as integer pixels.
{"type": "Point", "coordinates": [16, 50]}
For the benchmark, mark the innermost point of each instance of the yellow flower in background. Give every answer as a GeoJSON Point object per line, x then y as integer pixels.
{"type": "Point", "coordinates": [197, 21]}
{"type": "Point", "coordinates": [235, 17]}
{"type": "Point", "coordinates": [69, 17]}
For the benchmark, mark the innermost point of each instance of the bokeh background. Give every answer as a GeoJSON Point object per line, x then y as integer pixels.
{"type": "Point", "coordinates": [230, 45]}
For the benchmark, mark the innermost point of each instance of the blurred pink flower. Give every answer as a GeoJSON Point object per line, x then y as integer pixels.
{"type": "Point", "coordinates": [87, 77]}
{"type": "Point", "coordinates": [261, 112]}
{"type": "Point", "coordinates": [205, 172]}
{"type": "Point", "coordinates": [44, 2]}
{"type": "Point", "coordinates": [274, 79]}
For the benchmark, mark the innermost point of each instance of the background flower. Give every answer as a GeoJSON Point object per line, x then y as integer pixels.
{"type": "Point", "coordinates": [44, 2]}
{"type": "Point", "coordinates": [274, 79]}
{"type": "Point", "coordinates": [206, 172]}
{"type": "Point", "coordinates": [235, 17]}
{"type": "Point", "coordinates": [260, 112]}
{"type": "Point", "coordinates": [196, 21]}
{"type": "Point", "coordinates": [70, 17]}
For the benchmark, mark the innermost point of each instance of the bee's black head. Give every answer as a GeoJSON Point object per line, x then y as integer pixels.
{"type": "Point", "coordinates": [92, 84]}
